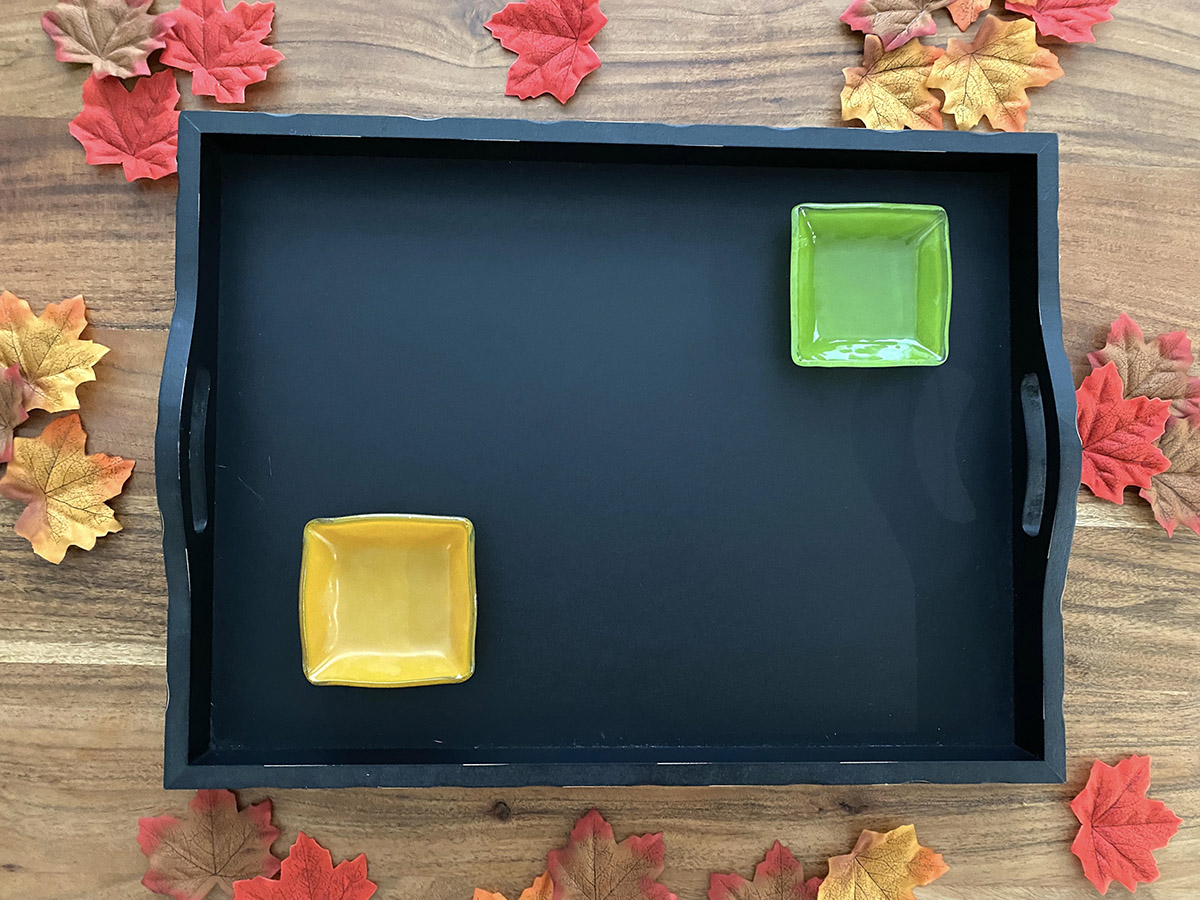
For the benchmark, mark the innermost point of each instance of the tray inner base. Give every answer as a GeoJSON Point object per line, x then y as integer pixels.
{"type": "Point", "coordinates": [688, 548]}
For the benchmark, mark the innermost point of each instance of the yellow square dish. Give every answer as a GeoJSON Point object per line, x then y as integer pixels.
{"type": "Point", "coordinates": [388, 600]}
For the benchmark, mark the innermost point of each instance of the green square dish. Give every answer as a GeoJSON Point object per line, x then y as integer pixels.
{"type": "Point", "coordinates": [870, 284]}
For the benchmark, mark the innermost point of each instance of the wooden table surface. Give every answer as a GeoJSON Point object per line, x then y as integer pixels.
{"type": "Point", "coordinates": [82, 645]}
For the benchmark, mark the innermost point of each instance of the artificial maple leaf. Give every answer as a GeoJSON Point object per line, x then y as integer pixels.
{"type": "Point", "coordinates": [137, 129]}
{"type": "Point", "coordinates": [53, 361]}
{"type": "Point", "coordinates": [882, 867]}
{"type": "Point", "coordinates": [223, 50]}
{"type": "Point", "coordinates": [888, 89]}
{"type": "Point", "coordinates": [778, 877]}
{"type": "Point", "coordinates": [63, 489]}
{"type": "Point", "coordinates": [1120, 826]}
{"type": "Point", "coordinates": [1157, 368]}
{"type": "Point", "coordinates": [552, 40]}
{"type": "Point", "coordinates": [1174, 495]}
{"type": "Point", "coordinates": [1071, 20]}
{"type": "Point", "coordinates": [308, 873]}
{"type": "Point", "coordinates": [895, 21]}
{"type": "Point", "coordinates": [541, 889]}
{"type": "Point", "coordinates": [988, 76]}
{"type": "Point", "coordinates": [114, 37]}
{"type": "Point", "coordinates": [213, 846]}
{"type": "Point", "coordinates": [965, 12]}
{"type": "Point", "coordinates": [1118, 435]}
{"type": "Point", "coordinates": [593, 866]}
{"type": "Point", "coordinates": [13, 396]}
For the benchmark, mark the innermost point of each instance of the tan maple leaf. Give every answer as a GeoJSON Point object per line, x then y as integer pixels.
{"type": "Point", "coordinates": [888, 89]}
{"type": "Point", "coordinates": [882, 867]}
{"type": "Point", "coordinates": [63, 489]}
{"type": "Point", "coordinates": [988, 77]}
{"type": "Point", "coordinates": [1174, 495]}
{"type": "Point", "coordinates": [47, 349]}
{"type": "Point", "coordinates": [114, 37]}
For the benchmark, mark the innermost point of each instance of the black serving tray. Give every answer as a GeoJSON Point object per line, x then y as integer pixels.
{"type": "Point", "coordinates": [697, 562]}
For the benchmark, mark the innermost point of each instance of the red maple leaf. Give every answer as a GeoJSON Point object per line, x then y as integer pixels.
{"type": "Point", "coordinates": [1120, 826]}
{"type": "Point", "coordinates": [593, 866]}
{"type": "Point", "coordinates": [224, 51]}
{"type": "Point", "coordinates": [138, 129]}
{"type": "Point", "coordinates": [308, 873]}
{"type": "Point", "coordinates": [552, 41]}
{"type": "Point", "coordinates": [1071, 20]}
{"type": "Point", "coordinates": [1118, 435]}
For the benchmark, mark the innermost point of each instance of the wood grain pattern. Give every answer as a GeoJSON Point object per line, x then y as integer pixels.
{"type": "Point", "coordinates": [82, 684]}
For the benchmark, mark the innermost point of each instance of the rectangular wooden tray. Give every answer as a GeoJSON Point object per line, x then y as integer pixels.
{"type": "Point", "coordinates": [697, 562]}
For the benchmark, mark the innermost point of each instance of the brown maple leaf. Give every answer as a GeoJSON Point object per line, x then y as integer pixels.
{"type": "Point", "coordinates": [988, 76]}
{"type": "Point", "coordinates": [214, 845]}
{"type": "Point", "coordinates": [895, 21]}
{"type": "Point", "coordinates": [888, 89]}
{"type": "Point", "coordinates": [778, 877]}
{"type": "Point", "coordinates": [882, 867]}
{"type": "Point", "coordinates": [47, 349]}
{"type": "Point", "coordinates": [13, 395]}
{"type": "Point", "coordinates": [593, 866]}
{"type": "Point", "coordinates": [63, 489]}
{"type": "Point", "coordinates": [114, 37]}
{"type": "Point", "coordinates": [1174, 495]}
{"type": "Point", "coordinates": [1157, 368]}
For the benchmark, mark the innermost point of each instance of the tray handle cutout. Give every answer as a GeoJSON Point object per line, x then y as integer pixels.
{"type": "Point", "coordinates": [195, 471]}
{"type": "Point", "coordinates": [1036, 462]}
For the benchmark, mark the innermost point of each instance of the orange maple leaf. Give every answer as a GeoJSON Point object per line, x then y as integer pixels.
{"type": "Point", "coordinates": [882, 867]}
{"type": "Point", "coordinates": [965, 12]}
{"type": "Point", "coordinates": [541, 889]}
{"type": "Point", "coordinates": [47, 349]}
{"type": "Point", "coordinates": [988, 76]}
{"type": "Point", "coordinates": [63, 489]}
{"type": "Point", "coordinates": [888, 89]}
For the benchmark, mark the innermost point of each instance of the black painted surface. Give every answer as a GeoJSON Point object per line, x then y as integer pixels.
{"type": "Point", "coordinates": [689, 549]}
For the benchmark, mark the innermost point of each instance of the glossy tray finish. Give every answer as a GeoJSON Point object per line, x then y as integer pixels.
{"type": "Point", "coordinates": [697, 562]}
{"type": "Point", "coordinates": [870, 284]}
